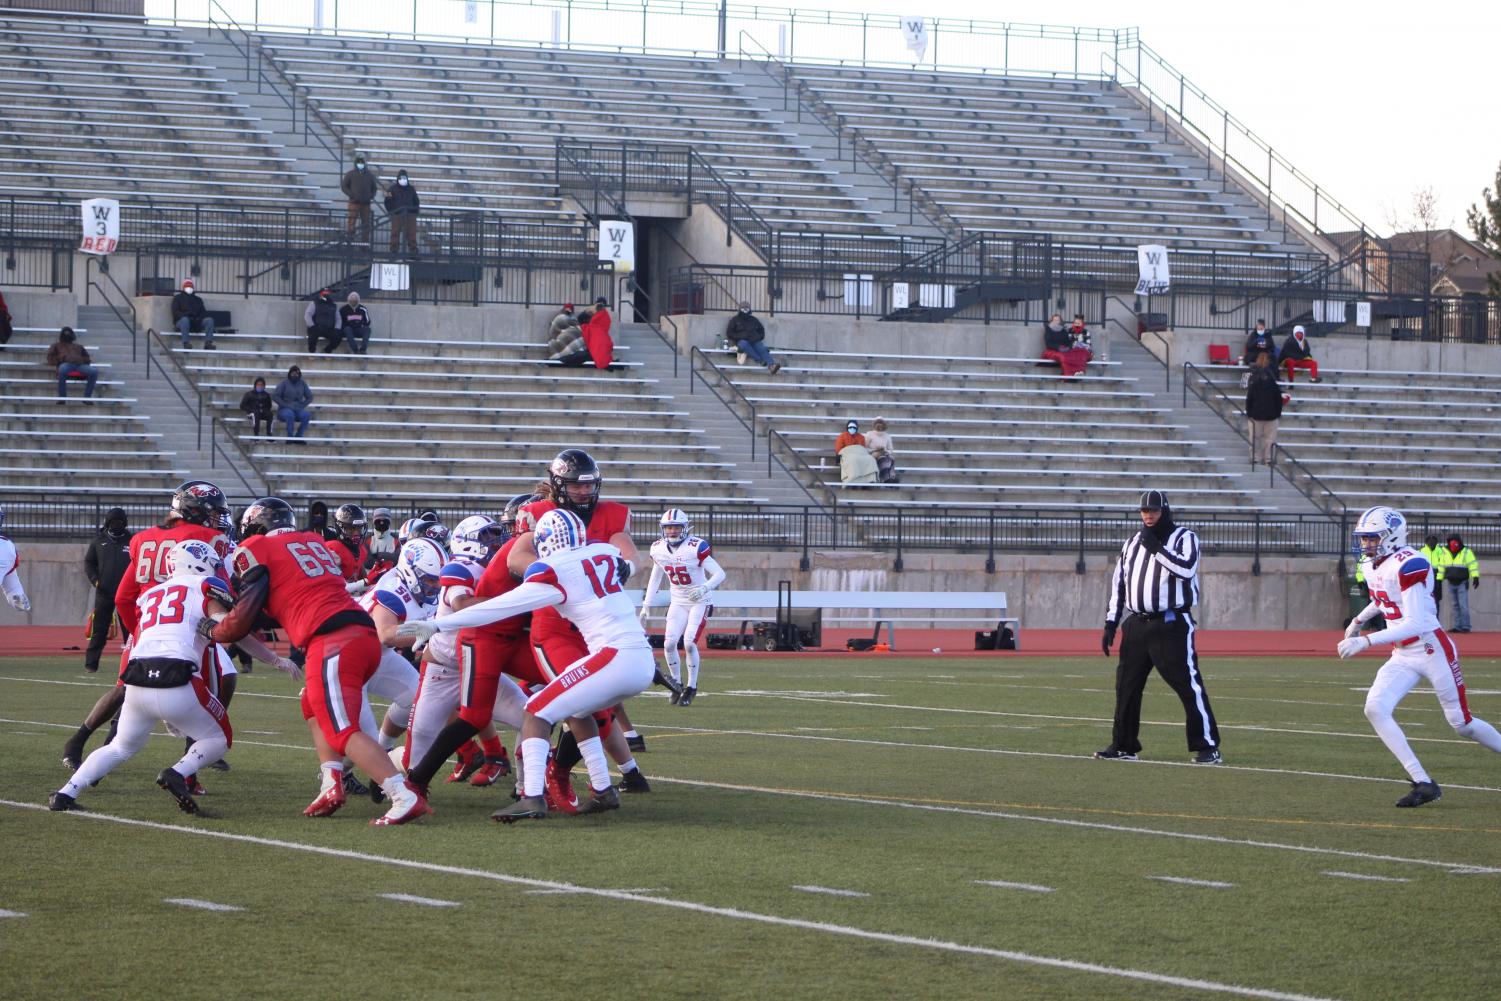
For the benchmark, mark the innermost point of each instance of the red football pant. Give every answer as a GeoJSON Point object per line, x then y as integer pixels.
{"type": "Point", "coordinates": [483, 658]}
{"type": "Point", "coordinates": [339, 664]}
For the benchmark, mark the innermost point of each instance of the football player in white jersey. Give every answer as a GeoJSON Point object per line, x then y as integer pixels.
{"type": "Point", "coordinates": [10, 579]}
{"type": "Point", "coordinates": [167, 677]}
{"type": "Point", "coordinates": [583, 581]}
{"type": "Point", "coordinates": [692, 575]}
{"type": "Point", "coordinates": [1401, 582]}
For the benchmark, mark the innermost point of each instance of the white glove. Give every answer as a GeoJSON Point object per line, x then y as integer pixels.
{"type": "Point", "coordinates": [1350, 647]}
{"type": "Point", "coordinates": [645, 611]}
{"type": "Point", "coordinates": [19, 602]}
{"type": "Point", "coordinates": [421, 631]}
{"type": "Point", "coordinates": [288, 666]}
{"type": "Point", "coordinates": [697, 594]}
{"type": "Point", "coordinates": [357, 587]}
{"type": "Point", "coordinates": [1353, 629]}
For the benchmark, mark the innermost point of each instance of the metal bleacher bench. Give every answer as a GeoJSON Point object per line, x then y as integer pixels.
{"type": "Point", "coordinates": [873, 607]}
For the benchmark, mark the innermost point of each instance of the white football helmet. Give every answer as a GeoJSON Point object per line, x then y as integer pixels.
{"type": "Point", "coordinates": [559, 531]}
{"type": "Point", "coordinates": [477, 536]}
{"type": "Point", "coordinates": [1379, 532]}
{"type": "Point", "coordinates": [194, 558]}
{"type": "Point", "coordinates": [419, 566]}
{"type": "Point", "coordinates": [675, 518]}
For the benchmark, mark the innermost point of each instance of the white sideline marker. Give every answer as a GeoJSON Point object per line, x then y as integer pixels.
{"type": "Point", "coordinates": [831, 891]}
{"type": "Point", "coordinates": [638, 889]}
{"type": "Point", "coordinates": [1366, 876]}
{"type": "Point", "coordinates": [11, 914]}
{"type": "Point", "coordinates": [407, 898]}
{"type": "Point", "coordinates": [202, 905]}
{"type": "Point", "coordinates": [1004, 885]}
{"type": "Point", "coordinates": [1185, 881]}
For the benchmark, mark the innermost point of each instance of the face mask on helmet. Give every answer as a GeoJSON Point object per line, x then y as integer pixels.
{"type": "Point", "coordinates": [477, 537]}
{"type": "Point", "coordinates": [575, 482]}
{"type": "Point", "coordinates": [198, 502]}
{"type": "Point", "coordinates": [1379, 532]}
{"type": "Point", "coordinates": [194, 558]}
{"type": "Point", "coordinates": [559, 531]}
{"type": "Point", "coordinates": [419, 566]}
{"type": "Point", "coordinates": [675, 527]}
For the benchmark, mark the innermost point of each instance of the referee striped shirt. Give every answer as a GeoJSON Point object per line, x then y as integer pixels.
{"type": "Point", "coordinates": [1147, 582]}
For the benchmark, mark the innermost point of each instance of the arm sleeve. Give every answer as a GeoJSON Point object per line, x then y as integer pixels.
{"type": "Point", "coordinates": [715, 571]}
{"type": "Point", "coordinates": [527, 597]}
{"type": "Point", "coordinates": [1367, 613]}
{"type": "Point", "coordinates": [652, 585]}
{"type": "Point", "coordinates": [1182, 558]}
{"type": "Point", "coordinates": [1117, 590]}
{"type": "Point", "coordinates": [126, 594]}
{"type": "Point", "coordinates": [10, 578]}
{"type": "Point", "coordinates": [252, 645]}
{"type": "Point", "coordinates": [91, 563]}
{"type": "Point", "coordinates": [1419, 614]}
{"type": "Point", "coordinates": [255, 587]}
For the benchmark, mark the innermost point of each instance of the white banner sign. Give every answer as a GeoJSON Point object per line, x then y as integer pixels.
{"type": "Point", "coordinates": [1362, 314]}
{"type": "Point", "coordinates": [617, 243]}
{"type": "Point", "coordinates": [391, 277]}
{"type": "Point", "coordinates": [101, 226]}
{"type": "Point", "coordinates": [900, 295]}
{"type": "Point", "coordinates": [915, 31]}
{"type": "Point", "coordinates": [1151, 265]}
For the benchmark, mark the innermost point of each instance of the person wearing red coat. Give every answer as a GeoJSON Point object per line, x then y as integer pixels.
{"type": "Point", "coordinates": [597, 334]}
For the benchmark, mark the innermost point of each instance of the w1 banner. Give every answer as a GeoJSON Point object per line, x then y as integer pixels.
{"type": "Point", "coordinates": [101, 226]}
{"type": "Point", "coordinates": [915, 31]}
{"type": "Point", "coordinates": [1151, 266]}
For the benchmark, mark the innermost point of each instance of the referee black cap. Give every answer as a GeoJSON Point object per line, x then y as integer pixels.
{"type": "Point", "coordinates": [1153, 500]}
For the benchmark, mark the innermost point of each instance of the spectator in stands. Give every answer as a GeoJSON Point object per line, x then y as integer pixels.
{"type": "Point", "coordinates": [855, 462]}
{"type": "Point", "coordinates": [189, 315]}
{"type": "Point", "coordinates": [7, 327]}
{"type": "Point", "coordinates": [1257, 341]}
{"type": "Point", "coordinates": [1298, 353]}
{"type": "Point", "coordinates": [1263, 408]}
{"type": "Point", "coordinates": [568, 347]}
{"type": "Point", "coordinates": [71, 360]}
{"type": "Point", "coordinates": [360, 186]}
{"type": "Point", "coordinates": [1460, 570]}
{"type": "Point", "coordinates": [597, 335]}
{"type": "Point", "coordinates": [403, 205]}
{"type": "Point", "coordinates": [1058, 346]}
{"type": "Point", "coordinates": [563, 319]}
{"type": "Point", "coordinates": [294, 398]}
{"type": "Point", "coordinates": [1078, 336]}
{"type": "Point", "coordinates": [105, 562]}
{"type": "Point", "coordinates": [878, 443]}
{"type": "Point", "coordinates": [748, 335]}
{"type": "Point", "coordinates": [381, 541]}
{"type": "Point", "coordinates": [322, 319]}
{"type": "Point", "coordinates": [354, 321]}
{"type": "Point", "coordinates": [257, 405]}
{"type": "Point", "coordinates": [317, 517]}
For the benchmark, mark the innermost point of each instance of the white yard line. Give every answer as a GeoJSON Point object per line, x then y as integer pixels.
{"type": "Point", "coordinates": [1212, 884]}
{"type": "Point", "coordinates": [730, 913]}
{"type": "Point", "coordinates": [1367, 877]}
{"type": "Point", "coordinates": [1004, 885]}
{"type": "Point", "coordinates": [637, 889]}
{"type": "Point", "coordinates": [407, 898]}
{"type": "Point", "coordinates": [11, 914]}
{"type": "Point", "coordinates": [201, 905]}
{"type": "Point", "coordinates": [831, 891]}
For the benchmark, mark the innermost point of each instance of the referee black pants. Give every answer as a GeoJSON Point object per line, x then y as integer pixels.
{"type": "Point", "coordinates": [1168, 645]}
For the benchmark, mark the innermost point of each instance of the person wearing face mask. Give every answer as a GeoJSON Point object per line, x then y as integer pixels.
{"type": "Point", "coordinates": [293, 398]}
{"type": "Point", "coordinates": [1456, 564]}
{"type": "Point", "coordinates": [1298, 353]}
{"type": "Point", "coordinates": [105, 562]}
{"type": "Point", "coordinates": [1058, 346]}
{"type": "Point", "coordinates": [189, 315]}
{"type": "Point", "coordinates": [402, 204]}
{"type": "Point", "coordinates": [855, 462]}
{"type": "Point", "coordinates": [257, 405]}
{"type": "Point", "coordinates": [381, 540]}
{"type": "Point", "coordinates": [71, 359]}
{"type": "Point", "coordinates": [323, 321]}
{"type": "Point", "coordinates": [359, 185]}
{"type": "Point", "coordinates": [1257, 341]}
{"type": "Point", "coordinates": [748, 335]}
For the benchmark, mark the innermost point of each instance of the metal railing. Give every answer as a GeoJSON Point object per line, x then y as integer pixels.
{"type": "Point", "coordinates": [799, 472]}
{"type": "Point", "coordinates": [736, 396]}
{"type": "Point", "coordinates": [120, 304]}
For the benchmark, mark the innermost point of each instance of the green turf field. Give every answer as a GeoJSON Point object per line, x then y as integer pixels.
{"type": "Point", "coordinates": [975, 849]}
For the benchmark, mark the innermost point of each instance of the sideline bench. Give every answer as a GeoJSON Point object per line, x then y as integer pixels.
{"type": "Point", "coordinates": [876, 607]}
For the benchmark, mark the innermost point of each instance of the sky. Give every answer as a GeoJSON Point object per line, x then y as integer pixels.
{"type": "Point", "coordinates": [1371, 100]}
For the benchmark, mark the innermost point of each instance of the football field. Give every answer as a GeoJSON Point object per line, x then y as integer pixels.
{"type": "Point", "coordinates": [818, 828]}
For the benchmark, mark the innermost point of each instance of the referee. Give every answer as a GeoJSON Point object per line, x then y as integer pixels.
{"type": "Point", "coordinates": [1155, 586]}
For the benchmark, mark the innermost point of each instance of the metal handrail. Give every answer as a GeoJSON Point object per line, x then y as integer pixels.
{"type": "Point", "coordinates": [152, 337]}
{"type": "Point", "coordinates": [696, 353]}
{"type": "Point", "coordinates": [775, 436]}
{"type": "Point", "coordinates": [216, 451]}
{"type": "Point", "coordinates": [134, 323]}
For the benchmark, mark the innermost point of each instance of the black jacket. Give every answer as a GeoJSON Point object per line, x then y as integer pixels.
{"type": "Point", "coordinates": [187, 304]}
{"type": "Point", "coordinates": [402, 200]}
{"type": "Point", "coordinates": [1292, 349]}
{"type": "Point", "coordinates": [745, 327]}
{"type": "Point", "coordinates": [107, 560]}
{"type": "Point", "coordinates": [1257, 343]}
{"type": "Point", "coordinates": [258, 405]}
{"type": "Point", "coordinates": [354, 315]}
{"type": "Point", "coordinates": [1056, 340]}
{"type": "Point", "coordinates": [359, 186]}
{"type": "Point", "coordinates": [1263, 395]}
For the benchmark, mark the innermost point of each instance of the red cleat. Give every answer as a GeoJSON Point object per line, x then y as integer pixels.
{"type": "Point", "coordinates": [404, 814]}
{"type": "Point", "coordinates": [327, 803]}
{"type": "Point", "coordinates": [471, 758]}
{"type": "Point", "coordinates": [559, 790]}
{"type": "Point", "coordinates": [491, 772]}
{"type": "Point", "coordinates": [195, 788]}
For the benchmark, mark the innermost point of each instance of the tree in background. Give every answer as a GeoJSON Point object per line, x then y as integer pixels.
{"type": "Point", "coordinates": [1486, 223]}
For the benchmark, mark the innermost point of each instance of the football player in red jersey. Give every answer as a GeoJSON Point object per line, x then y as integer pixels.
{"type": "Point", "coordinates": [347, 535]}
{"type": "Point", "coordinates": [292, 578]}
{"type": "Point", "coordinates": [195, 512]}
{"type": "Point", "coordinates": [574, 482]}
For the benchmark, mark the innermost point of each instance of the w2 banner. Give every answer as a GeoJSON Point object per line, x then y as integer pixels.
{"type": "Point", "coordinates": [101, 226]}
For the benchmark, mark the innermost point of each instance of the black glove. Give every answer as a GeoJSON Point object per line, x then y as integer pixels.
{"type": "Point", "coordinates": [1150, 542]}
{"type": "Point", "coordinates": [1474, 582]}
{"type": "Point", "coordinates": [206, 627]}
{"type": "Point", "coordinates": [622, 569]}
{"type": "Point", "coordinates": [1107, 639]}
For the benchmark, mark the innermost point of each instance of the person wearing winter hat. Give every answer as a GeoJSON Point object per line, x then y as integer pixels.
{"type": "Point", "coordinates": [403, 205]}
{"type": "Point", "coordinates": [189, 315]}
{"type": "Point", "coordinates": [71, 360]}
{"type": "Point", "coordinates": [360, 185]}
{"type": "Point", "coordinates": [1298, 353]}
{"type": "Point", "coordinates": [323, 321]}
{"type": "Point", "coordinates": [105, 562]}
{"type": "Point", "coordinates": [748, 334]}
{"type": "Point", "coordinates": [1455, 562]}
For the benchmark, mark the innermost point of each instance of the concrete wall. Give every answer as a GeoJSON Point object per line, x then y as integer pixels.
{"type": "Point", "coordinates": [60, 594]}
{"type": "Point", "coordinates": [820, 333]}
{"type": "Point", "coordinates": [1340, 351]}
{"type": "Point", "coordinates": [30, 308]}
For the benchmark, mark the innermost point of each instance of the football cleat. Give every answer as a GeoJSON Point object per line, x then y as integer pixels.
{"type": "Point", "coordinates": [1208, 756]}
{"type": "Point", "coordinates": [525, 808]}
{"type": "Point", "coordinates": [1422, 792]}
{"type": "Point", "coordinates": [71, 761]}
{"type": "Point", "coordinates": [195, 787]}
{"type": "Point", "coordinates": [352, 785]}
{"type": "Point", "coordinates": [688, 694]}
{"type": "Point", "coordinates": [60, 801]}
{"type": "Point", "coordinates": [491, 772]}
{"type": "Point", "coordinates": [327, 803]}
{"type": "Point", "coordinates": [1112, 754]}
{"type": "Point", "coordinates": [404, 813]}
{"type": "Point", "coordinates": [634, 781]}
{"type": "Point", "coordinates": [601, 800]}
{"type": "Point", "coordinates": [559, 792]}
{"type": "Point", "coordinates": [471, 759]}
{"type": "Point", "coordinates": [671, 684]}
{"type": "Point", "coordinates": [636, 743]}
{"type": "Point", "coordinates": [178, 788]}
{"type": "Point", "coordinates": [378, 795]}
{"type": "Point", "coordinates": [220, 766]}
{"type": "Point", "coordinates": [676, 696]}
